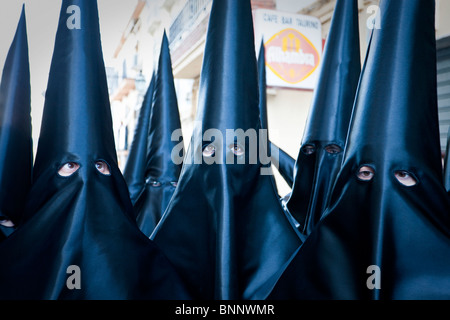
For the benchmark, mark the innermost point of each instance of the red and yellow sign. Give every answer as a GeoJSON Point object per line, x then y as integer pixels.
{"type": "Point", "coordinates": [293, 46]}
{"type": "Point", "coordinates": [291, 56]}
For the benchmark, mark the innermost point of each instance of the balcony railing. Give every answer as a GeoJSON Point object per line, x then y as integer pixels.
{"type": "Point", "coordinates": [186, 19]}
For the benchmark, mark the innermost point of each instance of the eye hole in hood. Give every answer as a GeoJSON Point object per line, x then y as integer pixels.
{"type": "Point", "coordinates": [209, 150]}
{"type": "Point", "coordinates": [67, 169]}
{"type": "Point", "coordinates": [333, 149]}
{"type": "Point", "coordinates": [405, 178]}
{"type": "Point", "coordinates": [237, 149]}
{"type": "Point", "coordinates": [155, 183]}
{"type": "Point", "coordinates": [6, 222]}
{"type": "Point", "coordinates": [102, 167]}
{"type": "Point", "coordinates": [309, 149]}
{"type": "Point", "coordinates": [365, 173]}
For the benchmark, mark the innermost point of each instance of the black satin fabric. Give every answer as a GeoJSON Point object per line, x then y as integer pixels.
{"type": "Point", "coordinates": [16, 151]}
{"type": "Point", "coordinates": [315, 180]}
{"type": "Point", "coordinates": [330, 112]}
{"type": "Point", "coordinates": [404, 231]}
{"type": "Point", "coordinates": [262, 87]}
{"type": "Point", "coordinates": [152, 203]}
{"type": "Point", "coordinates": [134, 171]}
{"type": "Point", "coordinates": [85, 219]}
{"type": "Point", "coordinates": [5, 231]}
{"type": "Point", "coordinates": [225, 230]}
{"type": "Point", "coordinates": [161, 171]}
{"type": "Point", "coordinates": [285, 163]}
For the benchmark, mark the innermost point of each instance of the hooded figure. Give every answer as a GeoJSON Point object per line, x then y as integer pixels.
{"type": "Point", "coordinates": [284, 162]}
{"type": "Point", "coordinates": [447, 164]}
{"type": "Point", "coordinates": [325, 133]}
{"type": "Point", "coordinates": [16, 150]}
{"type": "Point", "coordinates": [386, 234]}
{"type": "Point", "coordinates": [225, 230]}
{"type": "Point", "coordinates": [162, 170]}
{"type": "Point", "coordinates": [134, 171]}
{"type": "Point", "coordinates": [79, 238]}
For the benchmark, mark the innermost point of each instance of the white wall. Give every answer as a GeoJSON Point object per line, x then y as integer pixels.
{"type": "Point", "coordinates": [442, 18]}
{"type": "Point", "coordinates": [287, 111]}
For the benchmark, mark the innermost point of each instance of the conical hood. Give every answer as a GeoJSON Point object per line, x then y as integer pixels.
{"type": "Point", "coordinates": [326, 129]}
{"type": "Point", "coordinates": [165, 119]}
{"type": "Point", "coordinates": [78, 129]}
{"type": "Point", "coordinates": [386, 234]}
{"type": "Point", "coordinates": [262, 86]}
{"type": "Point", "coordinates": [224, 229]}
{"type": "Point", "coordinates": [16, 154]}
{"type": "Point", "coordinates": [407, 132]}
{"type": "Point", "coordinates": [79, 238]}
{"type": "Point", "coordinates": [338, 79]}
{"type": "Point", "coordinates": [162, 170]}
{"type": "Point", "coordinates": [283, 161]}
{"type": "Point", "coordinates": [134, 171]}
{"type": "Point", "coordinates": [219, 109]}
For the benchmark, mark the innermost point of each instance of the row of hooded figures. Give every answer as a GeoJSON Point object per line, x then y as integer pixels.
{"type": "Point", "coordinates": [369, 193]}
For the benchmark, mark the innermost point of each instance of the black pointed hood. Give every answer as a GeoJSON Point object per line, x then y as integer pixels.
{"type": "Point", "coordinates": [165, 119]}
{"type": "Point", "coordinates": [78, 53]}
{"type": "Point", "coordinates": [326, 129]}
{"type": "Point", "coordinates": [284, 162]}
{"type": "Point", "coordinates": [162, 171]}
{"type": "Point", "coordinates": [262, 86]}
{"type": "Point", "coordinates": [79, 213]}
{"type": "Point", "coordinates": [134, 171]}
{"type": "Point", "coordinates": [389, 212]}
{"type": "Point", "coordinates": [16, 154]}
{"type": "Point", "coordinates": [225, 229]}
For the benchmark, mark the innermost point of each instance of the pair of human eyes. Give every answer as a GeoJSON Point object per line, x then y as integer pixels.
{"type": "Point", "coordinates": [156, 183]}
{"type": "Point", "coordinates": [331, 149]}
{"type": "Point", "coordinates": [210, 150]}
{"type": "Point", "coordinates": [70, 168]}
{"type": "Point", "coordinates": [366, 173]}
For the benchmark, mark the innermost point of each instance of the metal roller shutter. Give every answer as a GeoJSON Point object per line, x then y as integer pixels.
{"type": "Point", "coordinates": [443, 82]}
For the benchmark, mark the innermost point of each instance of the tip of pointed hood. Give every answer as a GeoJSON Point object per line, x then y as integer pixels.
{"type": "Point", "coordinates": [77, 91]}
{"type": "Point", "coordinates": [231, 100]}
{"type": "Point", "coordinates": [333, 99]}
{"type": "Point", "coordinates": [22, 20]}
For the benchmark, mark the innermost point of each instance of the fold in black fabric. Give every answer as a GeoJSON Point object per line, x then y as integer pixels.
{"type": "Point", "coordinates": [135, 167]}
{"type": "Point", "coordinates": [284, 162]}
